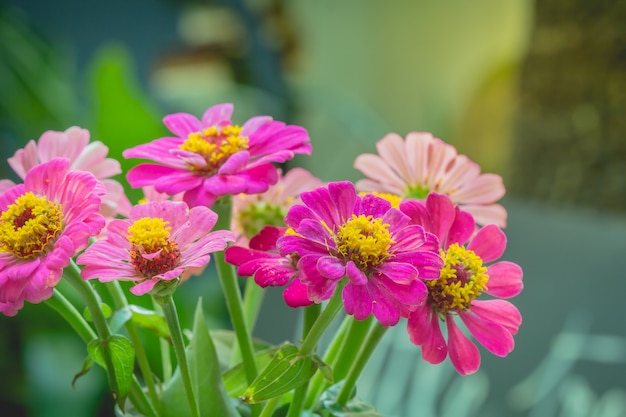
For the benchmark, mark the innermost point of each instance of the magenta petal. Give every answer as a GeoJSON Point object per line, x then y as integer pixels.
{"type": "Point", "coordinates": [463, 353]}
{"type": "Point", "coordinates": [357, 301]}
{"type": "Point", "coordinates": [488, 243]}
{"type": "Point", "coordinates": [355, 275]}
{"type": "Point", "coordinates": [434, 350]}
{"type": "Point", "coordinates": [385, 308]}
{"type": "Point", "coordinates": [296, 295]}
{"type": "Point", "coordinates": [148, 174]}
{"type": "Point", "coordinates": [272, 274]}
{"type": "Point", "coordinates": [401, 273]}
{"type": "Point", "coordinates": [461, 229]}
{"type": "Point", "coordinates": [505, 279]}
{"type": "Point", "coordinates": [182, 124]}
{"type": "Point", "coordinates": [214, 115]}
{"type": "Point", "coordinates": [498, 311]}
{"type": "Point", "coordinates": [494, 337]}
{"type": "Point", "coordinates": [418, 325]}
{"type": "Point", "coordinates": [442, 214]}
{"type": "Point", "coordinates": [331, 267]}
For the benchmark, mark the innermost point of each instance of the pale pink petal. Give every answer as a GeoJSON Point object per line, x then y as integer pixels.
{"type": "Point", "coordinates": [375, 168]}
{"type": "Point", "coordinates": [417, 145]}
{"type": "Point", "coordinates": [487, 214]}
{"type": "Point", "coordinates": [484, 189]}
{"type": "Point", "coordinates": [392, 150]}
{"type": "Point", "coordinates": [24, 159]}
{"type": "Point", "coordinates": [217, 114]}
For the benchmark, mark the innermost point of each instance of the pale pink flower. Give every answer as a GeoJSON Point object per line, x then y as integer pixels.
{"type": "Point", "coordinates": [251, 212]}
{"type": "Point", "coordinates": [83, 155]}
{"type": "Point", "coordinates": [44, 222]}
{"type": "Point", "coordinates": [420, 164]}
{"type": "Point", "coordinates": [469, 271]}
{"type": "Point", "coordinates": [159, 242]}
{"type": "Point", "coordinates": [212, 157]}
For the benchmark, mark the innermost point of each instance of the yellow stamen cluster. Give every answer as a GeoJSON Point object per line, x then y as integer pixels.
{"type": "Point", "coordinates": [150, 235]}
{"type": "Point", "coordinates": [30, 226]}
{"type": "Point", "coordinates": [215, 145]}
{"type": "Point", "coordinates": [462, 278]}
{"type": "Point", "coordinates": [364, 240]}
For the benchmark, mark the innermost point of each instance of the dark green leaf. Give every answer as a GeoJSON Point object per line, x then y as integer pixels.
{"type": "Point", "coordinates": [287, 370]}
{"type": "Point", "coordinates": [354, 407]}
{"type": "Point", "coordinates": [235, 378]}
{"type": "Point", "coordinates": [150, 320]}
{"type": "Point", "coordinates": [205, 376]}
{"type": "Point", "coordinates": [123, 358]}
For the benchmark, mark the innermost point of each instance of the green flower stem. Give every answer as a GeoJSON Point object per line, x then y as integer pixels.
{"type": "Point", "coordinates": [357, 333]}
{"type": "Point", "coordinates": [166, 360]}
{"type": "Point", "coordinates": [311, 314]}
{"type": "Point", "coordinates": [92, 301]}
{"type": "Point", "coordinates": [269, 408]}
{"type": "Point", "coordinates": [323, 321]}
{"type": "Point", "coordinates": [318, 382]}
{"type": "Point", "coordinates": [230, 286]}
{"type": "Point", "coordinates": [366, 351]}
{"type": "Point", "coordinates": [62, 306]}
{"type": "Point", "coordinates": [171, 318]}
{"type": "Point", "coordinates": [119, 299]}
{"type": "Point", "coordinates": [252, 299]}
{"type": "Point", "coordinates": [140, 401]}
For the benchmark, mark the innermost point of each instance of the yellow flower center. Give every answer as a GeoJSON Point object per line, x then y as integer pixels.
{"type": "Point", "coordinates": [364, 240]}
{"type": "Point", "coordinates": [149, 236]}
{"type": "Point", "coordinates": [30, 226]}
{"type": "Point", "coordinates": [462, 278]}
{"type": "Point", "coordinates": [215, 145]}
{"type": "Point", "coordinates": [395, 200]}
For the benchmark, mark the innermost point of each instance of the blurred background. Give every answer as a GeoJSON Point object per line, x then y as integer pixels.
{"type": "Point", "coordinates": [535, 92]}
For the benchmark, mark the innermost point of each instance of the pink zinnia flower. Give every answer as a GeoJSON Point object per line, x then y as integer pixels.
{"type": "Point", "coordinates": [268, 267]}
{"type": "Point", "coordinates": [44, 222]}
{"type": "Point", "coordinates": [341, 234]}
{"type": "Point", "coordinates": [420, 164]}
{"type": "Point", "coordinates": [74, 145]}
{"type": "Point", "coordinates": [251, 212]}
{"type": "Point", "coordinates": [211, 157]}
{"type": "Point", "coordinates": [157, 243]}
{"type": "Point", "coordinates": [463, 278]}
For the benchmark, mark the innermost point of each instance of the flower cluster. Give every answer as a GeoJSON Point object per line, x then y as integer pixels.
{"type": "Point", "coordinates": [417, 241]}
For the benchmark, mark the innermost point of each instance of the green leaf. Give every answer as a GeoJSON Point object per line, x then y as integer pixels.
{"type": "Point", "coordinates": [106, 310]}
{"type": "Point", "coordinates": [235, 379]}
{"type": "Point", "coordinates": [86, 367]}
{"type": "Point", "coordinates": [123, 358]}
{"type": "Point", "coordinates": [354, 407]}
{"type": "Point", "coordinates": [205, 376]}
{"type": "Point", "coordinates": [224, 341]}
{"type": "Point", "coordinates": [287, 370]}
{"type": "Point", "coordinates": [150, 320]}
{"type": "Point", "coordinates": [119, 319]}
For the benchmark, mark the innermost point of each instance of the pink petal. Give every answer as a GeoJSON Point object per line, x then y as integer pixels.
{"type": "Point", "coordinates": [391, 149]}
{"type": "Point", "coordinates": [498, 311]}
{"type": "Point", "coordinates": [461, 229]}
{"type": "Point", "coordinates": [375, 168]}
{"type": "Point", "coordinates": [182, 124]}
{"type": "Point", "coordinates": [384, 306]}
{"type": "Point", "coordinates": [494, 337]}
{"type": "Point", "coordinates": [295, 294]}
{"type": "Point", "coordinates": [144, 287]}
{"type": "Point", "coordinates": [442, 214]}
{"type": "Point", "coordinates": [489, 243]}
{"type": "Point", "coordinates": [216, 115]}
{"type": "Point", "coordinates": [331, 267]}
{"type": "Point", "coordinates": [355, 275]}
{"type": "Point", "coordinates": [463, 353]}
{"type": "Point", "coordinates": [505, 279]}
{"type": "Point", "coordinates": [492, 213]}
{"type": "Point", "coordinates": [357, 301]}
{"type": "Point", "coordinates": [485, 189]}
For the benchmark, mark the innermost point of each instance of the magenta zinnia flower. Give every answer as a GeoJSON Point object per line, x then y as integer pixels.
{"type": "Point", "coordinates": [157, 243]}
{"type": "Point", "coordinates": [338, 234]}
{"type": "Point", "coordinates": [252, 212]}
{"type": "Point", "coordinates": [211, 157]}
{"type": "Point", "coordinates": [268, 267]}
{"type": "Point", "coordinates": [413, 167]}
{"type": "Point", "coordinates": [463, 278]}
{"type": "Point", "coordinates": [83, 155]}
{"type": "Point", "coordinates": [44, 222]}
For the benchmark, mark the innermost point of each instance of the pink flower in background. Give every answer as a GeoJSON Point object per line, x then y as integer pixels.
{"type": "Point", "coordinates": [420, 164]}
{"type": "Point", "coordinates": [211, 157]}
{"type": "Point", "coordinates": [158, 242]}
{"type": "Point", "coordinates": [268, 267]}
{"type": "Point", "coordinates": [338, 234]}
{"type": "Point", "coordinates": [251, 212]}
{"type": "Point", "coordinates": [463, 278]}
{"type": "Point", "coordinates": [44, 222]}
{"type": "Point", "coordinates": [74, 145]}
